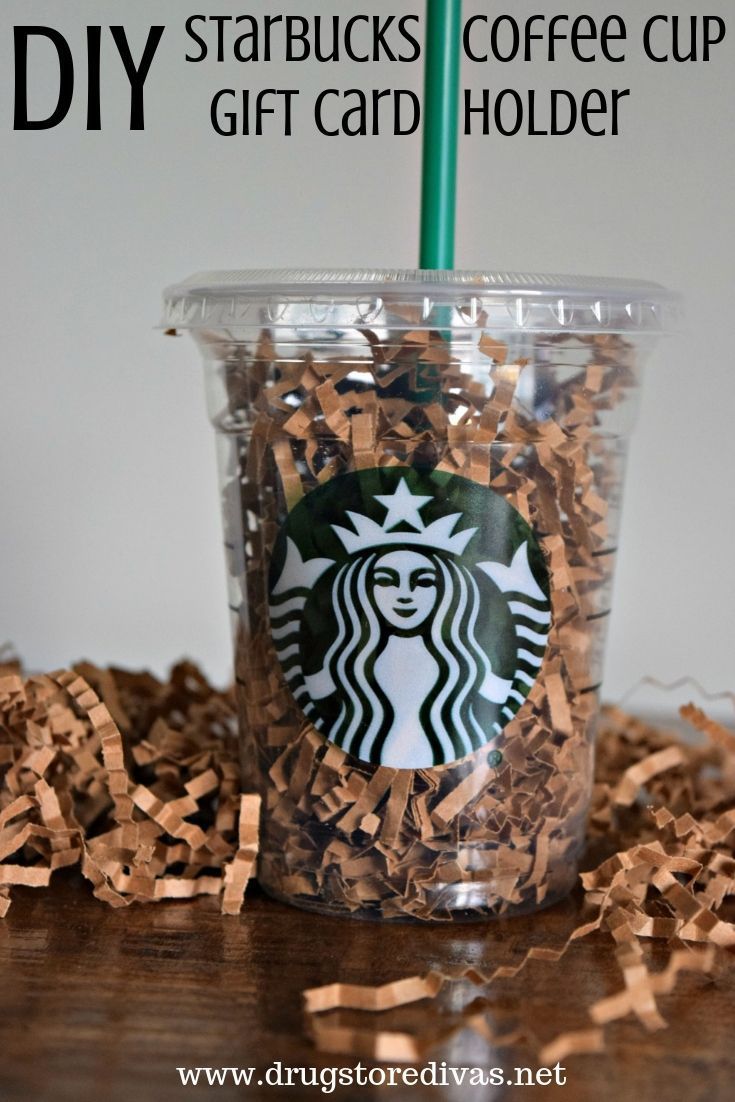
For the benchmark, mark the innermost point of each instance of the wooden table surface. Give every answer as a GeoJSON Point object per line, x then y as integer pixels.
{"type": "Point", "coordinates": [106, 1004]}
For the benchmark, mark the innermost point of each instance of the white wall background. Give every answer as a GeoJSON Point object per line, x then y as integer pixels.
{"type": "Point", "coordinates": [109, 537]}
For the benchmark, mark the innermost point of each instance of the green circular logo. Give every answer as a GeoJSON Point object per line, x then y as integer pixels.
{"type": "Point", "coordinates": [409, 612]}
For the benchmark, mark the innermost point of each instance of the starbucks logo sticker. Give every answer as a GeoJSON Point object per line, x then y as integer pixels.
{"type": "Point", "coordinates": [409, 612]}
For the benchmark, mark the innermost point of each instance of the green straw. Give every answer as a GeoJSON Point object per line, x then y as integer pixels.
{"type": "Point", "coordinates": [441, 111]}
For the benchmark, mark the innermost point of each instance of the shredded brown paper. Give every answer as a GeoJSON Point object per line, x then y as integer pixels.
{"type": "Point", "coordinates": [666, 810]}
{"type": "Point", "coordinates": [137, 782]}
{"type": "Point", "coordinates": [343, 836]}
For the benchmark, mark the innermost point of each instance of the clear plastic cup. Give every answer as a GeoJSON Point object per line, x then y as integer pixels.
{"type": "Point", "coordinates": [421, 477]}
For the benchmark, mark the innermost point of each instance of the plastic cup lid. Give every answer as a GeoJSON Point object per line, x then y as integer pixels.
{"type": "Point", "coordinates": [370, 298]}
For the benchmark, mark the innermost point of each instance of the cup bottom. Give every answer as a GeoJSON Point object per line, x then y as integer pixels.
{"type": "Point", "coordinates": [461, 902]}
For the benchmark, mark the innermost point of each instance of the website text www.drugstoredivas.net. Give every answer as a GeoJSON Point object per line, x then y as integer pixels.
{"type": "Point", "coordinates": [331, 1079]}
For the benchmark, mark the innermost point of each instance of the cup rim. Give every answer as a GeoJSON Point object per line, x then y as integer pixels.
{"type": "Point", "coordinates": [329, 299]}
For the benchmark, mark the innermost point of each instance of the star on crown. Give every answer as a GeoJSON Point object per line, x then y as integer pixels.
{"type": "Point", "coordinates": [404, 508]}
